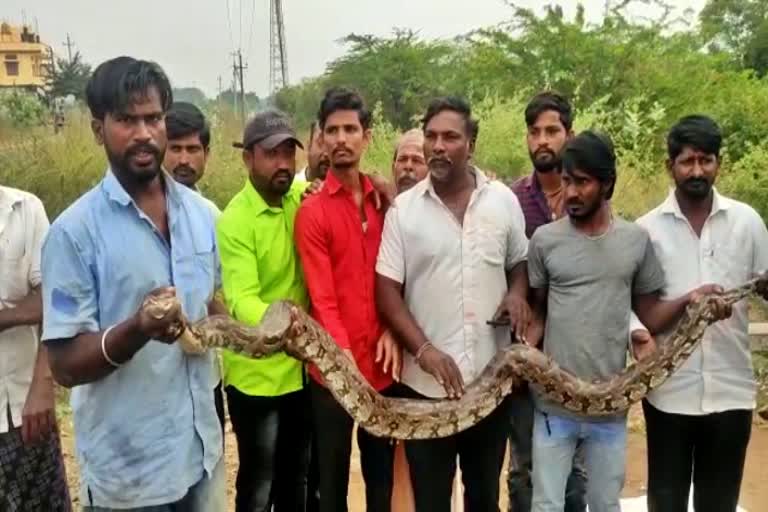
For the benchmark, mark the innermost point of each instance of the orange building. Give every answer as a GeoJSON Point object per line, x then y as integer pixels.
{"type": "Point", "coordinates": [24, 59]}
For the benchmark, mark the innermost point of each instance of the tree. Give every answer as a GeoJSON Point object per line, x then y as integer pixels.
{"type": "Point", "coordinates": [69, 77]}
{"type": "Point", "coordinates": [402, 72]}
{"type": "Point", "coordinates": [739, 27]}
{"type": "Point", "coordinates": [190, 95]}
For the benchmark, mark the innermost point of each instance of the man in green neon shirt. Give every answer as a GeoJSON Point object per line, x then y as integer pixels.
{"type": "Point", "coordinates": [267, 403]}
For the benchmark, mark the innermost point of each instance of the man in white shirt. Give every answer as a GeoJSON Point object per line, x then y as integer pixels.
{"type": "Point", "coordinates": [31, 467]}
{"type": "Point", "coordinates": [701, 417]}
{"type": "Point", "coordinates": [453, 249]}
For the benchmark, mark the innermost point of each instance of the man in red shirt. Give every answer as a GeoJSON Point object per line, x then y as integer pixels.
{"type": "Point", "coordinates": [338, 232]}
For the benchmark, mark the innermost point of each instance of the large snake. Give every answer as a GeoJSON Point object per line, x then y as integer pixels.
{"type": "Point", "coordinates": [286, 327]}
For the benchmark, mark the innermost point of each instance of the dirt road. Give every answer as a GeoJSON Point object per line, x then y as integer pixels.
{"type": "Point", "coordinates": [754, 491]}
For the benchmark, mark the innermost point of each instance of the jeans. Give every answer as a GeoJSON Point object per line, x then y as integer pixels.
{"type": "Point", "coordinates": [480, 450]}
{"type": "Point", "coordinates": [554, 444]}
{"type": "Point", "coordinates": [273, 446]}
{"type": "Point", "coordinates": [519, 483]}
{"type": "Point", "coordinates": [710, 449]}
{"type": "Point", "coordinates": [208, 495]}
{"type": "Point", "coordinates": [333, 430]}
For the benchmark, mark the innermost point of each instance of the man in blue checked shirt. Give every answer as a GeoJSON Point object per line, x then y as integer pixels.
{"type": "Point", "coordinates": [146, 429]}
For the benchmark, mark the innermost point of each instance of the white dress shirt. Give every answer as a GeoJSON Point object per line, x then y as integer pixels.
{"type": "Point", "coordinates": [23, 225]}
{"type": "Point", "coordinates": [733, 247]}
{"type": "Point", "coordinates": [454, 275]}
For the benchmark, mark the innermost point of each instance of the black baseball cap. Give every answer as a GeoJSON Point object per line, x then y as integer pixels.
{"type": "Point", "coordinates": [268, 129]}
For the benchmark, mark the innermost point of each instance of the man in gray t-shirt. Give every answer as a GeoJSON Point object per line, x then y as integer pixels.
{"type": "Point", "coordinates": [586, 272]}
{"type": "Point", "coordinates": [590, 282]}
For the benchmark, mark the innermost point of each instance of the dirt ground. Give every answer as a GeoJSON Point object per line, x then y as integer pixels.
{"type": "Point", "coordinates": [754, 490]}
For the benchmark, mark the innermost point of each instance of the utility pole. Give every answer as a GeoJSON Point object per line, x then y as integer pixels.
{"type": "Point", "coordinates": [69, 44]}
{"type": "Point", "coordinates": [237, 83]}
{"type": "Point", "coordinates": [234, 82]}
{"type": "Point", "coordinates": [242, 87]}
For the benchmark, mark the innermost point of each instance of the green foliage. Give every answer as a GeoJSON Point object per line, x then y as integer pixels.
{"type": "Point", "coordinates": [630, 79]}
{"type": "Point", "coordinates": [69, 77]}
{"type": "Point", "coordinates": [191, 95]}
{"type": "Point", "coordinates": [747, 179]}
{"type": "Point", "coordinates": [739, 27]}
{"type": "Point", "coordinates": [21, 109]}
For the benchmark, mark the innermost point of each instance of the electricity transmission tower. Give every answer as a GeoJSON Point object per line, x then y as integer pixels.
{"type": "Point", "coordinates": [278, 58]}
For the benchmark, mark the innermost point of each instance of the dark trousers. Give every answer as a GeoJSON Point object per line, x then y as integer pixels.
{"type": "Point", "coordinates": [218, 401]}
{"type": "Point", "coordinates": [313, 477]}
{"type": "Point", "coordinates": [273, 447]}
{"type": "Point", "coordinates": [480, 450]}
{"type": "Point", "coordinates": [519, 483]}
{"type": "Point", "coordinates": [710, 449]}
{"type": "Point", "coordinates": [333, 430]}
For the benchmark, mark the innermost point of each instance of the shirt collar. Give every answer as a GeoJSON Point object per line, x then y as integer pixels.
{"type": "Point", "coordinates": [259, 205]}
{"type": "Point", "coordinates": [426, 185]}
{"type": "Point", "coordinates": [257, 202]}
{"type": "Point", "coordinates": [670, 206]}
{"type": "Point", "coordinates": [117, 193]}
{"type": "Point", "coordinates": [9, 197]}
{"type": "Point", "coordinates": [333, 186]}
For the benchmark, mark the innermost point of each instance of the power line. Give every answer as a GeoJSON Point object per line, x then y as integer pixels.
{"type": "Point", "coordinates": [240, 40]}
{"type": "Point", "coordinates": [250, 32]}
{"type": "Point", "coordinates": [229, 23]}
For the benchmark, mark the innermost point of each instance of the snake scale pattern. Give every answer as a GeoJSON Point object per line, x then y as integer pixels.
{"type": "Point", "coordinates": [285, 327]}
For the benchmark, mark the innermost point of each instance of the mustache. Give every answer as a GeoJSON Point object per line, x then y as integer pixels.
{"type": "Point", "coordinates": [282, 173]}
{"type": "Point", "coordinates": [143, 147]}
{"type": "Point", "coordinates": [543, 151]}
{"type": "Point", "coordinates": [184, 167]}
{"type": "Point", "coordinates": [341, 149]}
{"type": "Point", "coordinates": [701, 181]}
{"type": "Point", "coordinates": [436, 159]}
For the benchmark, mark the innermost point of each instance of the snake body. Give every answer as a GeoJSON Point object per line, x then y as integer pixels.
{"type": "Point", "coordinates": [285, 327]}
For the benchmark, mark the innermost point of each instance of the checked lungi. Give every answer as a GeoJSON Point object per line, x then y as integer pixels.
{"type": "Point", "coordinates": [32, 477]}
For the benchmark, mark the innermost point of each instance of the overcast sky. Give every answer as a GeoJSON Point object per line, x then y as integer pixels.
{"type": "Point", "coordinates": [193, 39]}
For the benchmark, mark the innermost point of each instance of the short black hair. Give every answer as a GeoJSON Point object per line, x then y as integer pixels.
{"type": "Point", "coordinates": [341, 98]}
{"type": "Point", "coordinates": [454, 104]}
{"type": "Point", "coordinates": [184, 119]}
{"type": "Point", "coordinates": [118, 82]}
{"type": "Point", "coordinates": [698, 131]}
{"type": "Point", "coordinates": [549, 100]}
{"type": "Point", "coordinates": [593, 153]}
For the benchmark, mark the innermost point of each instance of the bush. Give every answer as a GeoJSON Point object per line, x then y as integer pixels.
{"type": "Point", "coordinates": [20, 109]}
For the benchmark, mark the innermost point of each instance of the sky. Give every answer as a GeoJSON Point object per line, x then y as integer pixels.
{"type": "Point", "coordinates": [193, 39]}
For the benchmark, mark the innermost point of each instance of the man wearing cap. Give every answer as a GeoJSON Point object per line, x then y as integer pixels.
{"type": "Point", "coordinates": [268, 406]}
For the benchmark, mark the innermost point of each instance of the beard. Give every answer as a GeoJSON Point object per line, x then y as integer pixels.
{"type": "Point", "coordinates": [582, 210]}
{"type": "Point", "coordinates": [440, 168]}
{"type": "Point", "coordinates": [281, 181]}
{"type": "Point", "coordinates": [126, 163]}
{"type": "Point", "coordinates": [343, 159]}
{"type": "Point", "coordinates": [545, 160]}
{"type": "Point", "coordinates": [695, 188]}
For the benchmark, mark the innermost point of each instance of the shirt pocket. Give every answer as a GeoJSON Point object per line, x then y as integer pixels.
{"type": "Point", "coordinates": [491, 244]}
{"type": "Point", "coordinates": [730, 263]}
{"type": "Point", "coordinates": [14, 270]}
{"type": "Point", "coordinates": [196, 271]}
